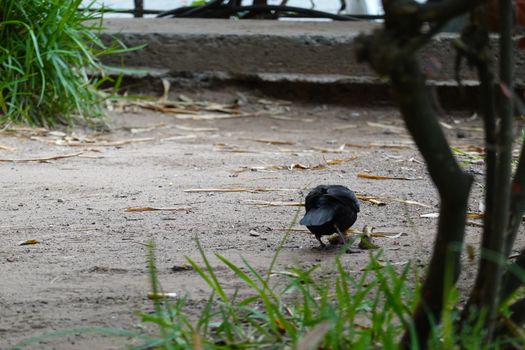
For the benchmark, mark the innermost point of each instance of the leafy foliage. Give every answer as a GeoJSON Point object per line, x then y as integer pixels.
{"type": "Point", "coordinates": [48, 49]}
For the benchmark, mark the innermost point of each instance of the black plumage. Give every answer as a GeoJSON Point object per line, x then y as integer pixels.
{"type": "Point", "coordinates": [330, 209]}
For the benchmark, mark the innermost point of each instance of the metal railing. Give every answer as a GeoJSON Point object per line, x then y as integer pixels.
{"type": "Point", "coordinates": [259, 9]}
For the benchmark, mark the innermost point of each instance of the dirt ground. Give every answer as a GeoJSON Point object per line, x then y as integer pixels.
{"type": "Point", "coordinates": [89, 267]}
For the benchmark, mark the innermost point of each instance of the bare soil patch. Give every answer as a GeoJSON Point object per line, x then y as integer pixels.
{"type": "Point", "coordinates": [89, 268]}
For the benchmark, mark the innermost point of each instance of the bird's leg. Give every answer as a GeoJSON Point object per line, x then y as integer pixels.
{"type": "Point", "coordinates": [341, 234]}
{"type": "Point", "coordinates": [343, 238]}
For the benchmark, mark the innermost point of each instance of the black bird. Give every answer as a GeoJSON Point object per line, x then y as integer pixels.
{"type": "Point", "coordinates": [330, 209]}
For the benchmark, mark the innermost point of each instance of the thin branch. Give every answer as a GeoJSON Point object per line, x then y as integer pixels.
{"type": "Point", "coordinates": [139, 8]}
{"type": "Point", "coordinates": [408, 83]}
{"type": "Point", "coordinates": [513, 277]}
{"type": "Point", "coordinates": [517, 203]}
{"type": "Point", "coordinates": [485, 294]}
{"type": "Point", "coordinates": [453, 186]}
{"type": "Point", "coordinates": [474, 47]}
{"type": "Point", "coordinates": [492, 270]}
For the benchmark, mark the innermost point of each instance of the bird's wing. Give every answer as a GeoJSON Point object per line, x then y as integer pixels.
{"type": "Point", "coordinates": [317, 216]}
{"type": "Point", "coordinates": [343, 195]}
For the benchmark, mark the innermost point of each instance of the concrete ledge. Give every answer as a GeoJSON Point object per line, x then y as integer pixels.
{"type": "Point", "coordinates": [257, 52]}
{"type": "Point", "coordinates": [240, 47]}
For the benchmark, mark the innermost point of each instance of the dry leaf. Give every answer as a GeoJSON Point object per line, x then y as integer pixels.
{"type": "Point", "coordinates": [355, 145]}
{"type": "Point", "coordinates": [189, 128]}
{"type": "Point", "coordinates": [386, 126]}
{"type": "Point", "coordinates": [86, 156]}
{"type": "Point", "coordinates": [274, 203]}
{"type": "Point", "coordinates": [136, 209]}
{"type": "Point", "coordinates": [381, 201]}
{"type": "Point", "coordinates": [469, 215]}
{"type": "Point", "coordinates": [292, 229]}
{"type": "Point", "coordinates": [160, 296]}
{"type": "Point", "coordinates": [185, 98]}
{"type": "Point", "coordinates": [179, 137]}
{"type": "Point", "coordinates": [278, 116]}
{"type": "Point", "coordinates": [371, 199]}
{"type": "Point", "coordinates": [341, 149]}
{"type": "Point", "coordinates": [271, 168]}
{"type": "Point", "coordinates": [393, 145]}
{"type": "Point", "coordinates": [388, 234]}
{"type": "Point", "coordinates": [217, 116]}
{"type": "Point", "coordinates": [239, 189]}
{"type": "Point", "coordinates": [183, 267]}
{"type": "Point", "coordinates": [252, 168]}
{"type": "Point", "coordinates": [411, 202]}
{"type": "Point", "coordinates": [222, 147]}
{"type": "Point", "coordinates": [111, 143]}
{"type": "Point", "coordinates": [468, 128]}
{"type": "Point", "coordinates": [7, 148]}
{"type": "Point", "coordinates": [379, 177]}
{"type": "Point", "coordinates": [414, 160]}
{"type": "Point", "coordinates": [56, 133]}
{"type": "Point", "coordinates": [23, 131]}
{"type": "Point", "coordinates": [41, 159]}
{"type": "Point", "coordinates": [398, 145]}
{"type": "Point", "coordinates": [430, 215]}
{"type": "Point", "coordinates": [147, 129]}
{"type": "Point", "coordinates": [269, 141]}
{"type": "Point", "coordinates": [473, 223]}
{"type": "Point", "coordinates": [298, 166]}
{"type": "Point", "coordinates": [318, 167]}
{"type": "Point", "coordinates": [338, 161]}
{"type": "Point", "coordinates": [162, 107]}
{"type": "Point", "coordinates": [446, 126]}
{"type": "Point", "coordinates": [165, 90]}
{"type": "Point", "coordinates": [280, 326]}
{"type": "Point", "coordinates": [373, 233]}
{"type": "Point", "coordinates": [474, 215]}
{"type": "Point", "coordinates": [29, 242]}
{"type": "Point", "coordinates": [215, 107]}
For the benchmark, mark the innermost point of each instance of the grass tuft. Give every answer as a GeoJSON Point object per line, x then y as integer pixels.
{"type": "Point", "coordinates": [293, 309]}
{"type": "Point", "coordinates": [297, 309]}
{"type": "Point", "coordinates": [49, 52]}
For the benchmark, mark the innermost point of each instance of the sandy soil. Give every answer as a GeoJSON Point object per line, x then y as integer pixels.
{"type": "Point", "coordinates": [89, 268]}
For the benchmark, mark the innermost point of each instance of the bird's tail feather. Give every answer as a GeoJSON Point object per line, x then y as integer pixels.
{"type": "Point", "coordinates": [317, 217]}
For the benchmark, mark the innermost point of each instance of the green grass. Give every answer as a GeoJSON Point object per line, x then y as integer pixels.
{"type": "Point", "coordinates": [299, 311]}
{"type": "Point", "coordinates": [48, 54]}
{"type": "Point", "coordinates": [294, 309]}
